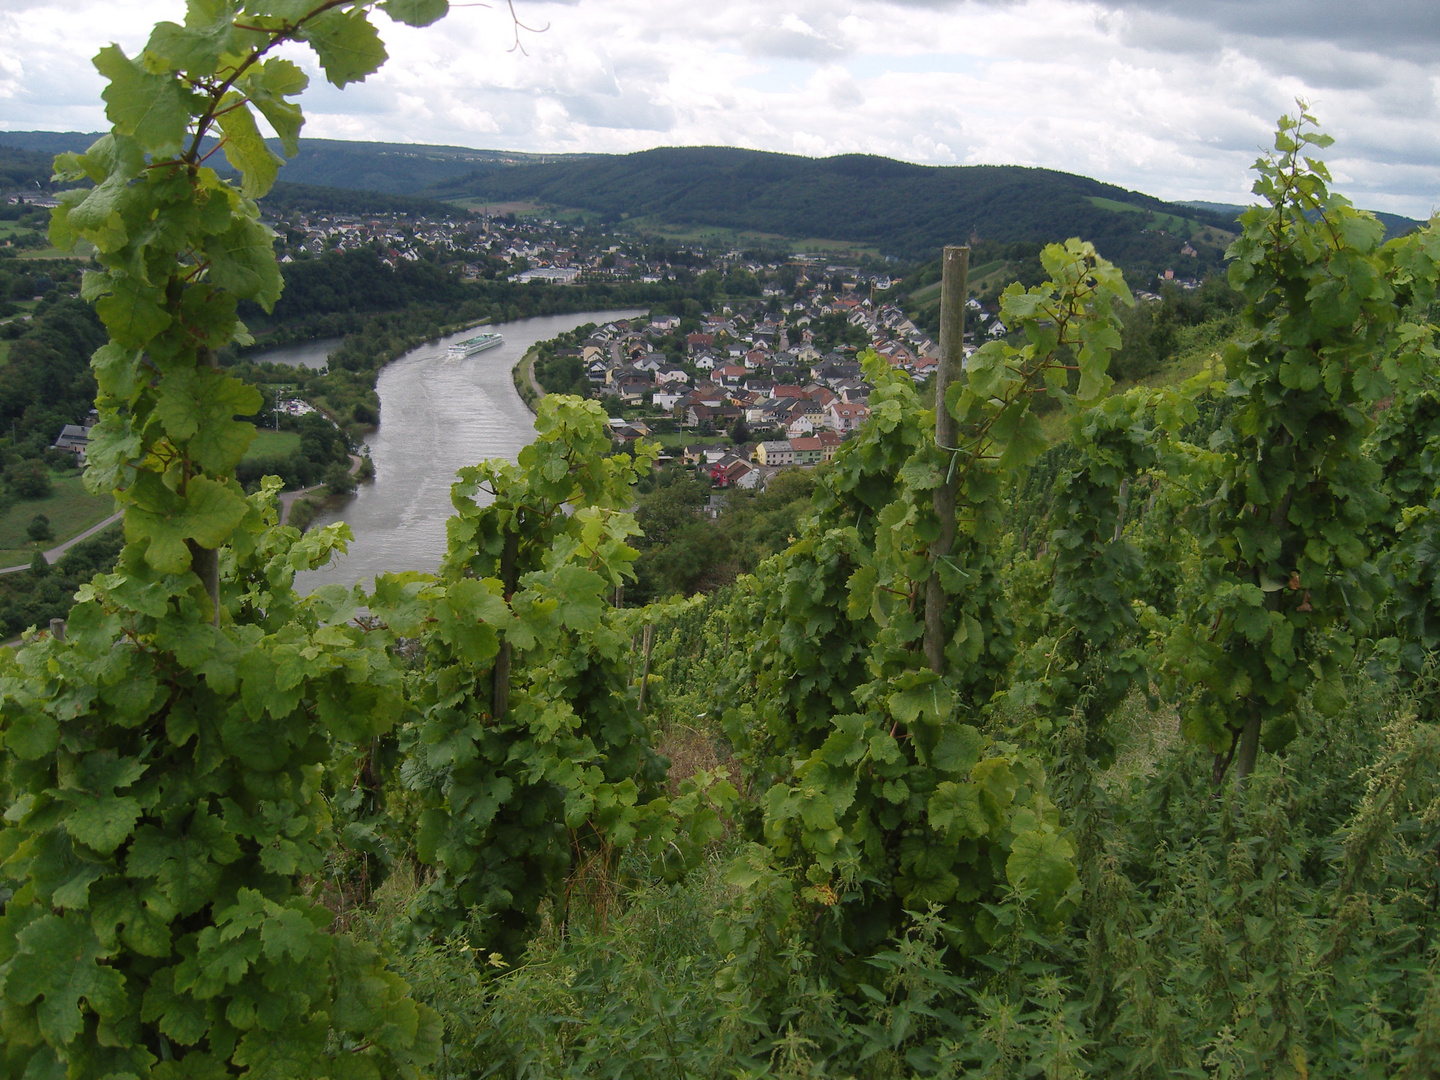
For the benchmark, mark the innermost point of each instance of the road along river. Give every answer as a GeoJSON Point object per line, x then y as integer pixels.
{"type": "Point", "coordinates": [436, 416]}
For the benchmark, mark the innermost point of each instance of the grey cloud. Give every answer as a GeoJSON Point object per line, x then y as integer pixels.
{"type": "Point", "coordinates": [625, 110]}
{"type": "Point", "coordinates": [1401, 28]}
{"type": "Point", "coordinates": [792, 38]}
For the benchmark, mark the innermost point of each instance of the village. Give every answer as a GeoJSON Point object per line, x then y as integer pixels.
{"type": "Point", "coordinates": [770, 380]}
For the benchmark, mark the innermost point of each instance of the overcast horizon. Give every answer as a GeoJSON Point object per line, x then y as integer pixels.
{"type": "Point", "coordinates": [1173, 99]}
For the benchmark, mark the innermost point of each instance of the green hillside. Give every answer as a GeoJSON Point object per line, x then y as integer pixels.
{"type": "Point", "coordinates": [392, 168]}
{"type": "Point", "coordinates": [1395, 224]}
{"type": "Point", "coordinates": [721, 195]}
{"type": "Point", "coordinates": [898, 208]}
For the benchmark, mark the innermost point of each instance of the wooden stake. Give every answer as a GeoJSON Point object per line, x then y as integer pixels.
{"type": "Point", "coordinates": [954, 286]}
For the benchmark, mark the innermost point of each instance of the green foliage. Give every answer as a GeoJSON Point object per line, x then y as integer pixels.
{"type": "Point", "coordinates": [29, 479]}
{"type": "Point", "coordinates": [881, 793]}
{"type": "Point", "coordinates": [1325, 335]}
{"type": "Point", "coordinates": [164, 771]}
{"type": "Point", "coordinates": [529, 755]}
{"type": "Point", "coordinates": [165, 776]}
{"type": "Point", "coordinates": [1088, 650]}
{"type": "Point", "coordinates": [913, 886]}
{"type": "Point", "coordinates": [906, 210]}
{"type": "Point", "coordinates": [683, 550]}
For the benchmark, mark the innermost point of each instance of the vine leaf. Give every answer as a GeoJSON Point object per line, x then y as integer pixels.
{"type": "Point", "coordinates": [152, 108]}
{"type": "Point", "coordinates": [242, 261]}
{"type": "Point", "coordinates": [347, 44]}
{"type": "Point", "coordinates": [207, 514]}
{"type": "Point", "coordinates": [132, 312]}
{"type": "Point", "coordinates": [199, 406]}
{"type": "Point", "coordinates": [245, 147]}
{"type": "Point", "coordinates": [99, 818]}
{"type": "Point", "coordinates": [415, 12]}
{"type": "Point", "coordinates": [56, 963]}
{"type": "Point", "coordinates": [269, 84]}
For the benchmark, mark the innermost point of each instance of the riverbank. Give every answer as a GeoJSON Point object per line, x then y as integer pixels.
{"type": "Point", "coordinates": [523, 376]}
{"type": "Point", "coordinates": [309, 509]}
{"type": "Point", "coordinates": [440, 415]}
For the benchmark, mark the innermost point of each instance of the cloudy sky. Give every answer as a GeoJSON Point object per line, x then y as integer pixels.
{"type": "Point", "coordinates": [1172, 97]}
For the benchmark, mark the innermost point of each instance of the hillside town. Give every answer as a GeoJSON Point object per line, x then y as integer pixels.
{"type": "Point", "coordinates": [781, 380]}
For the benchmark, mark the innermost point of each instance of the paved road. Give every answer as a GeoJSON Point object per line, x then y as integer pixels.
{"type": "Point", "coordinates": [287, 499]}
{"type": "Point", "coordinates": [60, 549]}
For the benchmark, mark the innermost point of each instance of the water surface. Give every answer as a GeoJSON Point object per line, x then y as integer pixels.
{"type": "Point", "coordinates": [436, 416]}
{"type": "Point", "coordinates": [307, 354]}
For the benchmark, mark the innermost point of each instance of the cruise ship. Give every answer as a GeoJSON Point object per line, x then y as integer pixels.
{"type": "Point", "coordinates": [470, 346]}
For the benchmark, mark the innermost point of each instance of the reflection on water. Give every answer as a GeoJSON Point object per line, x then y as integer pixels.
{"type": "Point", "coordinates": [308, 354]}
{"type": "Point", "coordinates": [436, 416]}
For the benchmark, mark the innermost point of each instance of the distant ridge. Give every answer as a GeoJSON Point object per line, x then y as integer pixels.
{"type": "Point", "coordinates": [392, 168]}
{"type": "Point", "coordinates": [890, 207]}
{"type": "Point", "coordinates": [1395, 224]}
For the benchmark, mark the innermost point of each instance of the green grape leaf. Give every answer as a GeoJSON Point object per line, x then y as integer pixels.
{"type": "Point", "coordinates": [397, 602]}
{"type": "Point", "coordinates": [242, 262]}
{"type": "Point", "coordinates": [152, 108]}
{"type": "Point", "coordinates": [56, 963]}
{"type": "Point", "coordinates": [245, 147]}
{"type": "Point", "coordinates": [415, 12]}
{"type": "Point", "coordinates": [301, 1052]}
{"type": "Point", "coordinates": [102, 823]}
{"type": "Point", "coordinates": [198, 408]}
{"type": "Point", "coordinates": [98, 817]}
{"type": "Point", "coordinates": [922, 693]}
{"type": "Point", "coordinates": [98, 214]}
{"type": "Point", "coordinates": [289, 932]}
{"type": "Point", "coordinates": [116, 370]}
{"type": "Point", "coordinates": [580, 591]}
{"type": "Point", "coordinates": [119, 916]}
{"type": "Point", "coordinates": [197, 47]}
{"type": "Point", "coordinates": [181, 1017]}
{"type": "Point", "coordinates": [132, 312]}
{"type": "Point", "coordinates": [954, 809]}
{"type": "Point", "coordinates": [268, 85]}
{"type": "Point", "coordinates": [958, 749]}
{"type": "Point", "coordinates": [347, 44]}
{"type": "Point", "coordinates": [207, 514]}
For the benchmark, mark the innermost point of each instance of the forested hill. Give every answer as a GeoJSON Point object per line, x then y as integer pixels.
{"type": "Point", "coordinates": [891, 206]}
{"type": "Point", "coordinates": [902, 209]}
{"type": "Point", "coordinates": [391, 168]}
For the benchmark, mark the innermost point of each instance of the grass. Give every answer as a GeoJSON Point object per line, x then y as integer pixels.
{"type": "Point", "coordinates": [273, 445]}
{"type": "Point", "coordinates": [519, 209]}
{"type": "Point", "coordinates": [70, 508]}
{"type": "Point", "coordinates": [982, 278]}
{"type": "Point", "coordinates": [4, 352]}
{"type": "Point", "coordinates": [10, 229]}
{"type": "Point", "coordinates": [1171, 223]}
{"type": "Point", "coordinates": [56, 253]}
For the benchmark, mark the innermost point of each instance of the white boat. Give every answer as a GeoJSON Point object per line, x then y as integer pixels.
{"type": "Point", "coordinates": [470, 346]}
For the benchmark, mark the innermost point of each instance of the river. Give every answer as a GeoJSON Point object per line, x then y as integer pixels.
{"type": "Point", "coordinates": [436, 416]}
{"type": "Point", "coordinates": [307, 354]}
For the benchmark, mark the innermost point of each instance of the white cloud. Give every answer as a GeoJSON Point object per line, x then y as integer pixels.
{"type": "Point", "coordinates": [1172, 98]}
